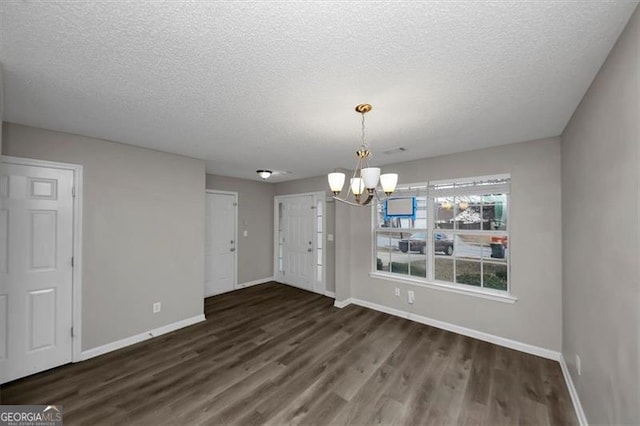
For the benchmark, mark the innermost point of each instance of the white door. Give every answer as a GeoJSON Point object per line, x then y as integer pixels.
{"type": "Point", "coordinates": [36, 246]}
{"type": "Point", "coordinates": [298, 218]}
{"type": "Point", "coordinates": [220, 249]}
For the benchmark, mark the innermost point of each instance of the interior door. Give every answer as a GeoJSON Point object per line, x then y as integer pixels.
{"type": "Point", "coordinates": [298, 217]}
{"type": "Point", "coordinates": [36, 249]}
{"type": "Point", "coordinates": [220, 249]}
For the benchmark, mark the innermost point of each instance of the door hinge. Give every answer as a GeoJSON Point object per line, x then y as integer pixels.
{"type": "Point", "coordinates": [73, 191]}
{"type": "Point", "coordinates": [313, 207]}
{"type": "Point", "coordinates": [72, 332]}
{"type": "Point", "coordinates": [235, 204]}
{"type": "Point", "coordinates": [72, 263]}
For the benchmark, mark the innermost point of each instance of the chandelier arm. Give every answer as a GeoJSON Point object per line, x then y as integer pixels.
{"type": "Point", "coordinates": [369, 198]}
{"type": "Point", "coordinates": [342, 200]}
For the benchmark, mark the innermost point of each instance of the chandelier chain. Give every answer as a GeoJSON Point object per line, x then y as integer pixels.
{"type": "Point", "coordinates": [364, 143]}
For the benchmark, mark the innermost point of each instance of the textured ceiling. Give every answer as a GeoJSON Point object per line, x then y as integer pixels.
{"type": "Point", "coordinates": [249, 85]}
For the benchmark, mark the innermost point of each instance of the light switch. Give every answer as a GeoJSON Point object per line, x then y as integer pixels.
{"type": "Point", "coordinates": [329, 237]}
{"type": "Point", "coordinates": [245, 233]}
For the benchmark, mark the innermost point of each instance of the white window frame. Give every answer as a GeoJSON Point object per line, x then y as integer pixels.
{"type": "Point", "coordinates": [430, 281]}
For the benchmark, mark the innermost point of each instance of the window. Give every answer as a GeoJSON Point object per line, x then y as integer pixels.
{"type": "Point", "coordinates": [457, 234]}
{"type": "Point", "coordinates": [401, 237]}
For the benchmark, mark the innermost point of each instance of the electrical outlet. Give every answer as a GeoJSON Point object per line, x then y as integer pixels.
{"type": "Point", "coordinates": [157, 307]}
{"type": "Point", "coordinates": [578, 365]}
{"type": "Point", "coordinates": [397, 292]}
{"type": "Point", "coordinates": [412, 296]}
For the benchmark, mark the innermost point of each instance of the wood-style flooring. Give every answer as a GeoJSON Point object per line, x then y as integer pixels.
{"type": "Point", "coordinates": [273, 354]}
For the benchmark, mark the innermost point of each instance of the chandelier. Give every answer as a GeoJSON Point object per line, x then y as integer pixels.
{"type": "Point", "coordinates": [364, 181]}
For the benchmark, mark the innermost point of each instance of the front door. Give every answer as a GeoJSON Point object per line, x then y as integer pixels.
{"type": "Point", "coordinates": [297, 235]}
{"type": "Point", "coordinates": [220, 249]}
{"type": "Point", "coordinates": [36, 249]}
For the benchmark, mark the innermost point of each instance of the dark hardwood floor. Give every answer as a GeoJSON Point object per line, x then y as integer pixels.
{"type": "Point", "coordinates": [277, 355]}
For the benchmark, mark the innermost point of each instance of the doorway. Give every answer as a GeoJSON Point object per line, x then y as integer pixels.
{"type": "Point", "coordinates": [299, 252]}
{"type": "Point", "coordinates": [40, 239]}
{"type": "Point", "coordinates": [221, 242]}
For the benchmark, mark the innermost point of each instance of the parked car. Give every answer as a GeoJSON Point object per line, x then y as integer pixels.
{"type": "Point", "coordinates": [418, 242]}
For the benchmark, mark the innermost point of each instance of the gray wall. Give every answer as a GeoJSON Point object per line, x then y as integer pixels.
{"type": "Point", "coordinates": [1, 102]}
{"type": "Point", "coordinates": [535, 247]}
{"type": "Point", "coordinates": [316, 184]}
{"type": "Point", "coordinates": [143, 231]}
{"type": "Point", "coordinates": [255, 215]}
{"type": "Point", "coordinates": [600, 237]}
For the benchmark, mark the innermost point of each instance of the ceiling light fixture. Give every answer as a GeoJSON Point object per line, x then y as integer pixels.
{"type": "Point", "coordinates": [364, 177]}
{"type": "Point", "coordinates": [264, 174]}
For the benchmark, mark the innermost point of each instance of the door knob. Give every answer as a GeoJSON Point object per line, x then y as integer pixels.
{"type": "Point", "coordinates": [309, 250]}
{"type": "Point", "coordinates": [232, 249]}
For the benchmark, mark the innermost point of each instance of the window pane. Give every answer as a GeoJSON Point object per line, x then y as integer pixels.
{"type": "Point", "coordinates": [320, 240]}
{"type": "Point", "coordinates": [470, 246]}
{"type": "Point", "coordinates": [443, 269]}
{"type": "Point", "coordinates": [494, 212]}
{"type": "Point", "coordinates": [419, 221]}
{"type": "Point", "coordinates": [442, 243]}
{"type": "Point", "coordinates": [495, 276]}
{"type": "Point", "coordinates": [444, 212]}
{"type": "Point", "coordinates": [399, 252]}
{"type": "Point", "coordinates": [497, 249]}
{"type": "Point", "coordinates": [421, 213]}
{"type": "Point", "coordinates": [469, 212]}
{"type": "Point", "coordinates": [380, 216]}
{"type": "Point", "coordinates": [410, 254]}
{"type": "Point", "coordinates": [319, 257]}
{"type": "Point", "coordinates": [468, 272]}
{"type": "Point", "coordinates": [319, 224]}
{"type": "Point", "coordinates": [319, 272]}
{"type": "Point", "coordinates": [384, 248]}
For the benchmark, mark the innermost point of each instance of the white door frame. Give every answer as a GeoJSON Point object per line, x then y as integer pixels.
{"type": "Point", "coordinates": [318, 287]}
{"type": "Point", "coordinates": [76, 281]}
{"type": "Point", "coordinates": [235, 232]}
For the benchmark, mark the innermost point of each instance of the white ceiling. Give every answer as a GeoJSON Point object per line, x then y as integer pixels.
{"type": "Point", "coordinates": [250, 85]}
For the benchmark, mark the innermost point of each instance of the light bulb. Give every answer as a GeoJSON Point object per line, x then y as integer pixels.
{"type": "Point", "coordinates": [389, 182]}
{"type": "Point", "coordinates": [264, 174]}
{"type": "Point", "coordinates": [370, 175]}
{"type": "Point", "coordinates": [336, 182]}
{"type": "Point", "coordinates": [357, 186]}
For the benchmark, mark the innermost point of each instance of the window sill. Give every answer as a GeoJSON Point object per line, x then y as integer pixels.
{"type": "Point", "coordinates": [452, 288]}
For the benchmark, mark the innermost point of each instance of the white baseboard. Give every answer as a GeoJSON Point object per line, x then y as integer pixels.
{"type": "Point", "coordinates": [582, 418]}
{"type": "Point", "coordinates": [501, 341]}
{"type": "Point", "coordinates": [342, 303]}
{"type": "Point", "coordinates": [254, 282]}
{"type": "Point", "coordinates": [109, 347]}
{"type": "Point", "coordinates": [491, 338]}
{"type": "Point", "coordinates": [330, 294]}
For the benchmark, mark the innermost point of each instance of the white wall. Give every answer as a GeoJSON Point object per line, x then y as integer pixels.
{"type": "Point", "coordinates": [535, 247]}
{"type": "Point", "coordinates": [143, 231]}
{"type": "Point", "coordinates": [600, 237]}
